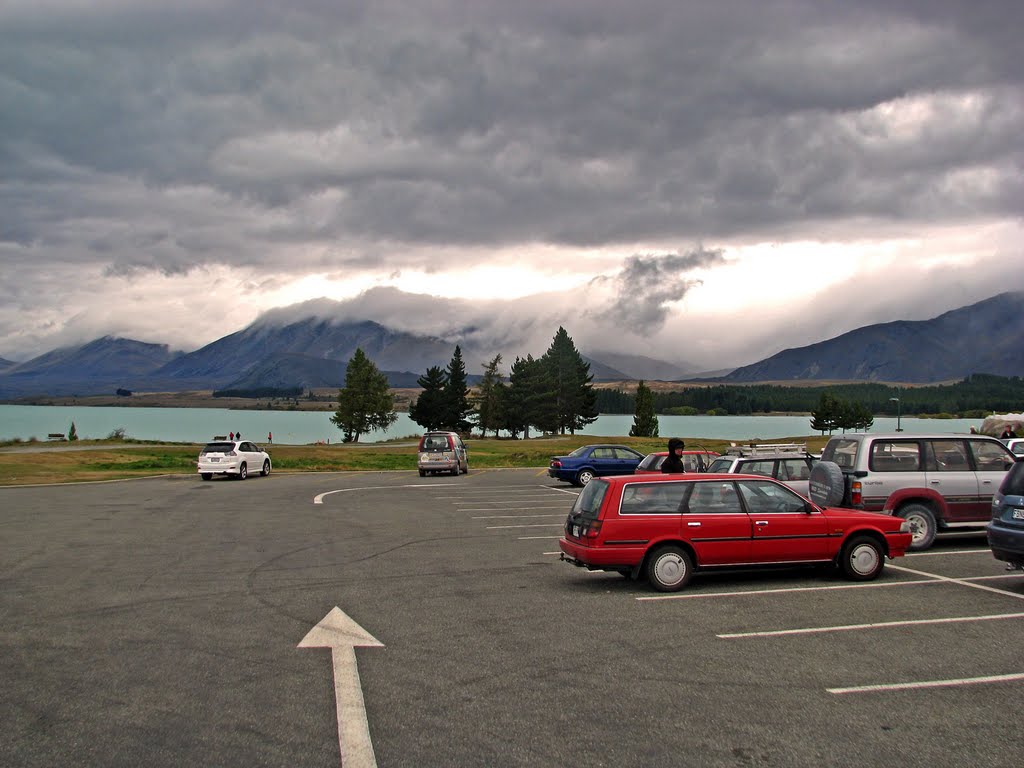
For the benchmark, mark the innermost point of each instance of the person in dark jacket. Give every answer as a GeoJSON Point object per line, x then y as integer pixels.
{"type": "Point", "coordinates": [674, 461]}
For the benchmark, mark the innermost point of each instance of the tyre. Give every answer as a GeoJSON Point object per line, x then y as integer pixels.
{"type": "Point", "coordinates": [423, 473]}
{"type": "Point", "coordinates": [455, 470]}
{"type": "Point", "coordinates": [584, 476]}
{"type": "Point", "coordinates": [862, 559]}
{"type": "Point", "coordinates": [243, 472]}
{"type": "Point", "coordinates": [922, 525]}
{"type": "Point", "coordinates": [827, 484]}
{"type": "Point", "coordinates": [669, 569]}
{"type": "Point", "coordinates": [266, 468]}
{"type": "Point", "coordinates": [207, 475]}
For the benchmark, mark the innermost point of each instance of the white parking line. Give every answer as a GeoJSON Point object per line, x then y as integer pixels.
{"type": "Point", "coordinates": [875, 625]}
{"type": "Point", "coordinates": [497, 502]}
{"type": "Point", "coordinates": [506, 517]}
{"type": "Point", "coordinates": [953, 552]}
{"type": "Point", "coordinates": [499, 509]}
{"type": "Point", "coordinates": [928, 684]}
{"type": "Point", "coordinates": [531, 525]}
{"type": "Point", "coordinates": [781, 590]}
{"type": "Point", "coordinates": [951, 580]}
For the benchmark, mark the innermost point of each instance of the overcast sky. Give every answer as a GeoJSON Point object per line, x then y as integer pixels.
{"type": "Point", "coordinates": [706, 182]}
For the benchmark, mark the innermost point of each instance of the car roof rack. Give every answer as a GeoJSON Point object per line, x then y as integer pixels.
{"type": "Point", "coordinates": [766, 449]}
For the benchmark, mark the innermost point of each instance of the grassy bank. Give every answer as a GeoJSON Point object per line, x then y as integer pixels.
{"type": "Point", "coordinates": [92, 460]}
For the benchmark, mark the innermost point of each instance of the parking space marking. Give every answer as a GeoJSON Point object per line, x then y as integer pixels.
{"type": "Point", "coordinates": [953, 552]}
{"type": "Point", "coordinates": [516, 499]}
{"type": "Point", "coordinates": [526, 525]}
{"type": "Point", "coordinates": [530, 538]}
{"type": "Point", "coordinates": [508, 517]}
{"type": "Point", "coordinates": [951, 580]}
{"type": "Point", "coordinates": [499, 509]}
{"type": "Point", "coordinates": [927, 684]}
{"type": "Point", "coordinates": [873, 625]}
{"type": "Point", "coordinates": [780, 590]}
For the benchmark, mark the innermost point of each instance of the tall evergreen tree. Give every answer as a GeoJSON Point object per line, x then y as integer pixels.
{"type": "Point", "coordinates": [528, 399]}
{"type": "Point", "coordinates": [825, 416]}
{"type": "Point", "coordinates": [570, 377]}
{"type": "Point", "coordinates": [645, 420]}
{"type": "Point", "coordinates": [365, 403]}
{"type": "Point", "coordinates": [488, 398]}
{"type": "Point", "coordinates": [456, 394]}
{"type": "Point", "coordinates": [429, 409]}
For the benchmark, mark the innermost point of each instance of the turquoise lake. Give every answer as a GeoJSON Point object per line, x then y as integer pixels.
{"type": "Point", "coordinates": [197, 425]}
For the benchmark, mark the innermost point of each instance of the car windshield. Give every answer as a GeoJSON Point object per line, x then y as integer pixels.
{"type": "Point", "coordinates": [842, 452]}
{"type": "Point", "coordinates": [1013, 483]}
{"type": "Point", "coordinates": [218, 447]}
{"type": "Point", "coordinates": [588, 503]}
{"type": "Point", "coordinates": [720, 465]}
{"type": "Point", "coordinates": [653, 461]}
{"type": "Point", "coordinates": [435, 443]}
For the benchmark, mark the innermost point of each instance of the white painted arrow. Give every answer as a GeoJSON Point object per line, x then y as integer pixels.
{"type": "Point", "coordinates": [342, 635]}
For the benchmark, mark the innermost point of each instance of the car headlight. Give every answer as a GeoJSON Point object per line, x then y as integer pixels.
{"type": "Point", "coordinates": [905, 527]}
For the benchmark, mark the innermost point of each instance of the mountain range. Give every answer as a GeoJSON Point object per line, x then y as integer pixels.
{"type": "Point", "coordinates": [986, 337]}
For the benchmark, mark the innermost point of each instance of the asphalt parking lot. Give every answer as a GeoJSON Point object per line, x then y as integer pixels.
{"type": "Point", "coordinates": [175, 622]}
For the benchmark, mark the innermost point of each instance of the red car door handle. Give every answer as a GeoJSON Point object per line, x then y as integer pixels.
{"type": "Point", "coordinates": [760, 522]}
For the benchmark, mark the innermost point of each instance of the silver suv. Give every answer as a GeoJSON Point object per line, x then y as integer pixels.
{"type": "Point", "coordinates": [789, 463]}
{"type": "Point", "coordinates": [936, 482]}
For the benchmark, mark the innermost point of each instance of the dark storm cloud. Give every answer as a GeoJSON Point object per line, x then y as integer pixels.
{"type": "Point", "coordinates": [334, 135]}
{"type": "Point", "coordinates": [561, 122]}
{"type": "Point", "coordinates": [648, 285]}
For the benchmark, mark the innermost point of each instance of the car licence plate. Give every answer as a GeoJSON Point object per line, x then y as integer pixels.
{"type": "Point", "coordinates": [576, 531]}
{"type": "Point", "coordinates": [1018, 514]}
{"type": "Point", "coordinates": [214, 459]}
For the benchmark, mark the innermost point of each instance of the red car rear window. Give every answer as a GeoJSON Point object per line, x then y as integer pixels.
{"type": "Point", "coordinates": [588, 504]}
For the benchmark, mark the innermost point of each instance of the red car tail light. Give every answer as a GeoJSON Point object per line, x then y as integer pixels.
{"type": "Point", "coordinates": [556, 464]}
{"type": "Point", "coordinates": [593, 530]}
{"type": "Point", "coordinates": [856, 493]}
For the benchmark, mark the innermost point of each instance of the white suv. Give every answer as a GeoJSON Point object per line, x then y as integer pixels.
{"type": "Point", "coordinates": [237, 458]}
{"type": "Point", "coordinates": [937, 482]}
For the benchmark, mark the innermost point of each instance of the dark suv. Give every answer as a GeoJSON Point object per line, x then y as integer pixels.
{"type": "Point", "coordinates": [936, 482]}
{"type": "Point", "coordinates": [1006, 530]}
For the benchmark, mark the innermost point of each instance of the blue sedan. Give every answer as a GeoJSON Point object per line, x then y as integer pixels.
{"type": "Point", "coordinates": [590, 461]}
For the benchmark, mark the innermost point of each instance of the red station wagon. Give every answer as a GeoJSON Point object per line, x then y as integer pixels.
{"type": "Point", "coordinates": [665, 527]}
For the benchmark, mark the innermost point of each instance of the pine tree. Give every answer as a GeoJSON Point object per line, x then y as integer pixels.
{"type": "Point", "coordinates": [645, 421]}
{"type": "Point", "coordinates": [528, 400]}
{"type": "Point", "coordinates": [570, 377]}
{"type": "Point", "coordinates": [488, 398]}
{"type": "Point", "coordinates": [366, 402]}
{"type": "Point", "coordinates": [72, 433]}
{"type": "Point", "coordinates": [823, 418]}
{"type": "Point", "coordinates": [456, 394]}
{"type": "Point", "coordinates": [429, 408]}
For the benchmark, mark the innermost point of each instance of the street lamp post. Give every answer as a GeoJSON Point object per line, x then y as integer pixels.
{"type": "Point", "coordinates": [897, 401]}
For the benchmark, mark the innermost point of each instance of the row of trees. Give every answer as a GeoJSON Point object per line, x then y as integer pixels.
{"type": "Point", "coordinates": [833, 413]}
{"type": "Point", "coordinates": [981, 393]}
{"type": "Point", "coordinates": [553, 393]}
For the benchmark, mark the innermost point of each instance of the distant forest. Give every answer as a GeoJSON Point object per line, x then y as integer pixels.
{"type": "Point", "coordinates": [975, 396]}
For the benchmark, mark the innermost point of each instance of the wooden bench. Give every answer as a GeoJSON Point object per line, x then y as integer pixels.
{"type": "Point", "coordinates": [56, 436]}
